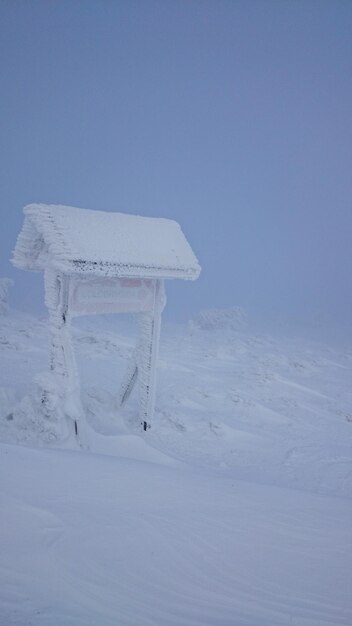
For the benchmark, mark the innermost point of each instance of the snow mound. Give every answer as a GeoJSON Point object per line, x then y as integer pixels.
{"type": "Point", "coordinates": [39, 418]}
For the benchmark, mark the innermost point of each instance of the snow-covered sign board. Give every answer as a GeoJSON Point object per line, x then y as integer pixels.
{"type": "Point", "coordinates": [98, 262]}
{"type": "Point", "coordinates": [111, 295]}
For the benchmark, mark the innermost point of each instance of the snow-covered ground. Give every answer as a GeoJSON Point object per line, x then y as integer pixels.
{"type": "Point", "coordinates": [234, 509]}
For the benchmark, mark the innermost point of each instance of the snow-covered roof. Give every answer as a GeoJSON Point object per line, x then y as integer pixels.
{"type": "Point", "coordinates": [82, 241]}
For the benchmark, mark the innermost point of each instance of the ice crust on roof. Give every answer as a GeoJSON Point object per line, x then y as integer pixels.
{"type": "Point", "coordinates": [84, 241]}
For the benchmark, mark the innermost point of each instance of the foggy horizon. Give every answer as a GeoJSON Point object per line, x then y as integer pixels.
{"type": "Point", "coordinates": [233, 118]}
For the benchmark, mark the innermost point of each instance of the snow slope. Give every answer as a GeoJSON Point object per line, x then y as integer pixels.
{"type": "Point", "coordinates": [102, 540]}
{"type": "Point", "coordinates": [234, 509]}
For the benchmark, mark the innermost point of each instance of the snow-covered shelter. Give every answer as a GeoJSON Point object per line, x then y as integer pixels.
{"type": "Point", "coordinates": [99, 262]}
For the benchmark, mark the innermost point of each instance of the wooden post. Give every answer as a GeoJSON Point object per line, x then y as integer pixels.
{"type": "Point", "coordinates": [149, 324]}
{"type": "Point", "coordinates": [62, 359]}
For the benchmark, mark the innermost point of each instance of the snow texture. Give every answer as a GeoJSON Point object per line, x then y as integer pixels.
{"type": "Point", "coordinates": [86, 242]}
{"type": "Point", "coordinates": [234, 509]}
{"type": "Point", "coordinates": [231, 319]}
{"type": "Point", "coordinates": [107, 541]}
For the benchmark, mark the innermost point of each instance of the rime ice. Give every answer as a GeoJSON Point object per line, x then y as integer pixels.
{"type": "Point", "coordinates": [97, 262]}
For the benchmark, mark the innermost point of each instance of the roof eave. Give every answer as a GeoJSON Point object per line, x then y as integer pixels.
{"type": "Point", "coordinates": [92, 268]}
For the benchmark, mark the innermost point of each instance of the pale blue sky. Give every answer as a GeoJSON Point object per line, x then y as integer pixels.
{"type": "Point", "coordinates": [233, 118]}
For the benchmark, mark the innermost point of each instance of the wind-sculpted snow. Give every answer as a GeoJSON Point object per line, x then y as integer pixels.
{"type": "Point", "coordinates": [272, 410]}
{"type": "Point", "coordinates": [263, 408]}
{"type": "Point", "coordinates": [90, 540]}
{"type": "Point", "coordinates": [232, 319]}
{"type": "Point", "coordinates": [234, 509]}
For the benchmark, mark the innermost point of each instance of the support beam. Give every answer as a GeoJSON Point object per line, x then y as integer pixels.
{"type": "Point", "coordinates": [62, 359]}
{"type": "Point", "coordinates": [149, 324]}
{"type": "Point", "coordinates": [129, 379]}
